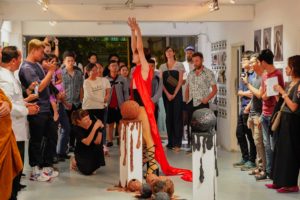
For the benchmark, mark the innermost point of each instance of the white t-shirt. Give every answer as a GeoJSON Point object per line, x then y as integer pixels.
{"type": "Point", "coordinates": [94, 93]}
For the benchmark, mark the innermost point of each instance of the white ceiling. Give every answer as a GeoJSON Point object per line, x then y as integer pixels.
{"type": "Point", "coordinates": [151, 2]}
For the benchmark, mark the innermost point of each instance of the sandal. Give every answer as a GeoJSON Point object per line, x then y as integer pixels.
{"type": "Point", "coordinates": [255, 171]}
{"type": "Point", "coordinates": [152, 167]}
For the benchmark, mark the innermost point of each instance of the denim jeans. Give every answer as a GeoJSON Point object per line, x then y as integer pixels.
{"type": "Point", "coordinates": [268, 141]}
{"type": "Point", "coordinates": [64, 134]}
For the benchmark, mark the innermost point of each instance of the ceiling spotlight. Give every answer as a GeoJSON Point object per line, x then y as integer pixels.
{"type": "Point", "coordinates": [232, 1]}
{"type": "Point", "coordinates": [52, 23]}
{"type": "Point", "coordinates": [213, 5]}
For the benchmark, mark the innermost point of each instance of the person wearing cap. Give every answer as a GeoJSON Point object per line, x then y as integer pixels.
{"type": "Point", "coordinates": [188, 66]}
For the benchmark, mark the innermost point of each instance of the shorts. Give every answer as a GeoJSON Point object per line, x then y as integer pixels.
{"type": "Point", "coordinates": [113, 115]}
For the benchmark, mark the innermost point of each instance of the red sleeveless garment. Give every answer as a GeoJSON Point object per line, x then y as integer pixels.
{"type": "Point", "coordinates": [144, 88]}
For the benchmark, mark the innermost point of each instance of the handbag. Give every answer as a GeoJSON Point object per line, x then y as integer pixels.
{"type": "Point", "coordinates": [171, 80]}
{"type": "Point", "coordinates": [276, 119]}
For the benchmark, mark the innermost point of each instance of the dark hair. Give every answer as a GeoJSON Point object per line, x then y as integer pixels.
{"type": "Point", "coordinates": [267, 56]}
{"type": "Point", "coordinates": [78, 115]}
{"type": "Point", "coordinates": [122, 66]}
{"type": "Point", "coordinates": [147, 53]}
{"type": "Point", "coordinates": [198, 54]}
{"type": "Point", "coordinates": [247, 54]}
{"type": "Point", "coordinates": [9, 53]}
{"type": "Point", "coordinates": [113, 61]}
{"type": "Point", "coordinates": [166, 49]}
{"type": "Point", "coordinates": [69, 54]}
{"type": "Point", "coordinates": [90, 66]}
{"type": "Point", "coordinates": [151, 61]}
{"type": "Point", "coordinates": [91, 54]}
{"type": "Point", "coordinates": [46, 57]}
{"type": "Point", "coordinates": [113, 55]}
{"type": "Point", "coordinates": [294, 63]}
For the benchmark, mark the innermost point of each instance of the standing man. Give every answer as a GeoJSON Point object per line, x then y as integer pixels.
{"type": "Point", "coordinates": [201, 86]}
{"type": "Point", "coordinates": [73, 84]}
{"type": "Point", "coordinates": [243, 133]}
{"type": "Point", "coordinates": [41, 126]}
{"type": "Point", "coordinates": [255, 110]}
{"type": "Point", "coordinates": [11, 61]}
{"type": "Point", "coordinates": [118, 94]}
{"type": "Point", "coordinates": [188, 66]}
{"type": "Point", "coordinates": [266, 58]}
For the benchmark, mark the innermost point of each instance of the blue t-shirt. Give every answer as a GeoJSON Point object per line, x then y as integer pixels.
{"type": "Point", "coordinates": [31, 72]}
{"type": "Point", "coordinates": [243, 87]}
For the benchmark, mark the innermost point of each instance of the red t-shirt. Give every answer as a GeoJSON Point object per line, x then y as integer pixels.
{"type": "Point", "coordinates": [114, 99]}
{"type": "Point", "coordinates": [269, 104]}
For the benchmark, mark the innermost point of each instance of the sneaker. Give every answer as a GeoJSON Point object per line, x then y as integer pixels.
{"type": "Point", "coordinates": [248, 166]}
{"type": "Point", "coordinates": [38, 175]}
{"type": "Point", "coordinates": [49, 171]}
{"type": "Point", "coordinates": [240, 164]}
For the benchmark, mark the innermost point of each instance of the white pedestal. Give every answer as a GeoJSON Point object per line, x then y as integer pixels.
{"type": "Point", "coordinates": [131, 152]}
{"type": "Point", "coordinates": [208, 188]}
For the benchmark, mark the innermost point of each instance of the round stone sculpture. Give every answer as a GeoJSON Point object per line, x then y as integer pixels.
{"type": "Point", "coordinates": [146, 191]}
{"type": "Point", "coordinates": [134, 185]}
{"type": "Point", "coordinates": [130, 110]}
{"type": "Point", "coordinates": [203, 120]}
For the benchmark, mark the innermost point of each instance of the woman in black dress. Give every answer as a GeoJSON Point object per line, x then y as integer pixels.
{"type": "Point", "coordinates": [286, 160]}
{"type": "Point", "coordinates": [89, 154]}
{"type": "Point", "coordinates": [172, 74]}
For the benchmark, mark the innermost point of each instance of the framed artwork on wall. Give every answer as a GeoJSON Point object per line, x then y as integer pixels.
{"type": "Point", "coordinates": [278, 43]}
{"type": "Point", "coordinates": [257, 41]}
{"type": "Point", "coordinates": [267, 38]}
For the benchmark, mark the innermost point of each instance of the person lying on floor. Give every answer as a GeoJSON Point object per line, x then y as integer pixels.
{"type": "Point", "coordinates": [89, 154]}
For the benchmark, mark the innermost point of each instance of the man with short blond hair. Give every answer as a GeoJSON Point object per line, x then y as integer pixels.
{"type": "Point", "coordinates": [41, 126]}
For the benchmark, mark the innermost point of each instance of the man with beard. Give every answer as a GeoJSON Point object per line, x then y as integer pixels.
{"type": "Point", "coordinates": [201, 85]}
{"type": "Point", "coordinates": [188, 66]}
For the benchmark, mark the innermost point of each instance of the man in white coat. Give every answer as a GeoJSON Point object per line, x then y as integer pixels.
{"type": "Point", "coordinates": [11, 60]}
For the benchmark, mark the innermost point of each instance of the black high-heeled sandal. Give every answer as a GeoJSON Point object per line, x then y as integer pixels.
{"type": "Point", "coordinates": [152, 167]}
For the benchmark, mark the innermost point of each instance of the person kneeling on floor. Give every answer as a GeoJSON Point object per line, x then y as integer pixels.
{"type": "Point", "coordinates": [89, 154]}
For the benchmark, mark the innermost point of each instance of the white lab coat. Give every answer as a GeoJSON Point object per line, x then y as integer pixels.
{"type": "Point", "coordinates": [12, 89]}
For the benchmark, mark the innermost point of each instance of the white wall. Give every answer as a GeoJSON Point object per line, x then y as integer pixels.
{"type": "Point", "coordinates": [5, 32]}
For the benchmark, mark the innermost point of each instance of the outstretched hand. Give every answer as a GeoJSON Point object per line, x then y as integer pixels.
{"type": "Point", "coordinates": [132, 23]}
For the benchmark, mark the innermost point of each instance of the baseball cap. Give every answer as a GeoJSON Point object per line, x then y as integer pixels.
{"type": "Point", "coordinates": [190, 47]}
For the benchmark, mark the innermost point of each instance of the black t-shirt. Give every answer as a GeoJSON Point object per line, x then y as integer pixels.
{"type": "Point", "coordinates": [87, 150]}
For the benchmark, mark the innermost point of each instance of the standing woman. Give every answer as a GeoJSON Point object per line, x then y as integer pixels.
{"type": "Point", "coordinates": [141, 87]}
{"type": "Point", "coordinates": [286, 164]}
{"type": "Point", "coordinates": [96, 93]}
{"type": "Point", "coordinates": [172, 74]}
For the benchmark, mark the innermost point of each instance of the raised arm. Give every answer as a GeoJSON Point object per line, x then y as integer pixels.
{"type": "Point", "coordinates": [139, 46]}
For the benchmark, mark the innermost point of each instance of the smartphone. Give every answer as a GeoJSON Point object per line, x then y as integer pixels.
{"type": "Point", "coordinates": [36, 89]}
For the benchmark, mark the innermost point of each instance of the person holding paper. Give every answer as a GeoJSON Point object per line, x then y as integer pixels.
{"type": "Point", "coordinates": [266, 58]}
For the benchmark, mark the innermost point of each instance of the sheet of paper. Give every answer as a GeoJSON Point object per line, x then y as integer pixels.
{"type": "Point", "coordinates": [270, 83]}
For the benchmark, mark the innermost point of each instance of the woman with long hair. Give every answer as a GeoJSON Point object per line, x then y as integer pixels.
{"type": "Point", "coordinates": [172, 74]}
{"type": "Point", "coordinates": [141, 93]}
{"type": "Point", "coordinates": [286, 159]}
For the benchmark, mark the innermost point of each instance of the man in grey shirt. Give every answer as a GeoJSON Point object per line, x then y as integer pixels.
{"type": "Point", "coordinates": [254, 108]}
{"type": "Point", "coordinates": [73, 85]}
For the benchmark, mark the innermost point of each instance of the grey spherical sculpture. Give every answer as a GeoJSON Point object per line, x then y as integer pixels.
{"type": "Point", "coordinates": [203, 120]}
{"type": "Point", "coordinates": [161, 196]}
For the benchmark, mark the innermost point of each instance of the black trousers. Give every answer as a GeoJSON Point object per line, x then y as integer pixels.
{"type": "Point", "coordinates": [17, 179]}
{"type": "Point", "coordinates": [174, 120]}
{"type": "Point", "coordinates": [43, 134]}
{"type": "Point", "coordinates": [72, 134]}
{"type": "Point", "coordinates": [244, 135]}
